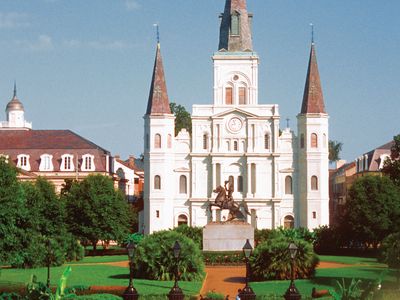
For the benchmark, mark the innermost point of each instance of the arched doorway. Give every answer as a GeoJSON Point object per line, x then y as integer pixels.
{"type": "Point", "coordinates": [182, 220]}
{"type": "Point", "coordinates": [288, 222]}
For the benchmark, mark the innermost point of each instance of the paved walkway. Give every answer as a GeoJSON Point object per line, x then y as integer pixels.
{"type": "Point", "coordinates": [225, 280]}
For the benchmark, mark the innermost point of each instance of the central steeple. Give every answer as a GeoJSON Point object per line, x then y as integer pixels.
{"type": "Point", "coordinates": [235, 31]}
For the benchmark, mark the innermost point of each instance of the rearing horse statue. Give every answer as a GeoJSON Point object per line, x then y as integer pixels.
{"type": "Point", "coordinates": [224, 200]}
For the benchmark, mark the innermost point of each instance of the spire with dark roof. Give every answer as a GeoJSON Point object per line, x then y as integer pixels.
{"type": "Point", "coordinates": [313, 99]}
{"type": "Point", "coordinates": [158, 99]}
{"type": "Point", "coordinates": [235, 31]}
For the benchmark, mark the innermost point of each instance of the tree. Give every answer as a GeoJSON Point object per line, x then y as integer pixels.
{"type": "Point", "coordinates": [372, 210]}
{"type": "Point", "coordinates": [334, 150]}
{"type": "Point", "coordinates": [96, 211]}
{"type": "Point", "coordinates": [182, 118]}
{"type": "Point", "coordinates": [12, 214]}
{"type": "Point", "coordinates": [391, 166]}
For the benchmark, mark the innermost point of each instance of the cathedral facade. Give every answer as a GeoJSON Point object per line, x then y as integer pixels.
{"type": "Point", "coordinates": [281, 177]}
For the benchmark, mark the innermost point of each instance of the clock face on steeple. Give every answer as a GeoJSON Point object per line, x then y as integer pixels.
{"type": "Point", "coordinates": [235, 124]}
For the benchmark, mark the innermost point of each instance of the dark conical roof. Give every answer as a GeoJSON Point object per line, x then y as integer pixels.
{"type": "Point", "coordinates": [235, 30]}
{"type": "Point", "coordinates": [313, 99]}
{"type": "Point", "coordinates": [158, 102]}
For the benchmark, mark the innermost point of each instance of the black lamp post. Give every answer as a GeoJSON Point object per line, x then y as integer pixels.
{"type": "Point", "coordinates": [247, 293]}
{"type": "Point", "coordinates": [176, 293]}
{"type": "Point", "coordinates": [292, 293]}
{"type": "Point", "coordinates": [48, 262]}
{"type": "Point", "coordinates": [130, 292]}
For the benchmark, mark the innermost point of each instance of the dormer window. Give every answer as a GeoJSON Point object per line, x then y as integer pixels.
{"type": "Point", "coordinates": [235, 24]}
{"type": "Point", "coordinates": [46, 162]}
{"type": "Point", "coordinates": [88, 162]}
{"type": "Point", "coordinates": [67, 162]}
{"type": "Point", "coordinates": [23, 162]}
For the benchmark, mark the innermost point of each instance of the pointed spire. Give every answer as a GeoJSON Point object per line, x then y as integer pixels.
{"type": "Point", "coordinates": [313, 99]}
{"type": "Point", "coordinates": [158, 99]}
{"type": "Point", "coordinates": [235, 30]}
{"type": "Point", "coordinates": [15, 89]}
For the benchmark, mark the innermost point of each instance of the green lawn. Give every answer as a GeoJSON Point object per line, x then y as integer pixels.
{"type": "Point", "coordinates": [94, 275]}
{"type": "Point", "coordinates": [100, 259]}
{"type": "Point", "coordinates": [363, 268]}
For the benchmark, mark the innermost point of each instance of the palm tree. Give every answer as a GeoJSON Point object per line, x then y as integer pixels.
{"type": "Point", "coordinates": [334, 150]}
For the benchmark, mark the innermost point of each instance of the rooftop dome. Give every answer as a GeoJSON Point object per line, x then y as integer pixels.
{"type": "Point", "coordinates": [14, 104]}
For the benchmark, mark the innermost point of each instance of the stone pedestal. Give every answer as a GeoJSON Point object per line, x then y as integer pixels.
{"type": "Point", "coordinates": [229, 236]}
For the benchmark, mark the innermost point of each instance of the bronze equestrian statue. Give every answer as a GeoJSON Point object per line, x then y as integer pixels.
{"type": "Point", "coordinates": [224, 200]}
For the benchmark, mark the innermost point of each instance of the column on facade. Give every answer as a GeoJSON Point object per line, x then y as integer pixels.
{"type": "Point", "coordinates": [248, 194]}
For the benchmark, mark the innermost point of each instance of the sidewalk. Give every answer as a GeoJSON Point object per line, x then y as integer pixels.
{"type": "Point", "coordinates": [225, 280]}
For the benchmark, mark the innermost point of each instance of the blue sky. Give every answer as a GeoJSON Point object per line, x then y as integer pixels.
{"type": "Point", "coordinates": [86, 65]}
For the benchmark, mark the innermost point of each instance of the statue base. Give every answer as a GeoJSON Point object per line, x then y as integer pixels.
{"type": "Point", "coordinates": [227, 236]}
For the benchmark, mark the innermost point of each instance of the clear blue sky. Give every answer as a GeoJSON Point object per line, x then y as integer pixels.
{"type": "Point", "coordinates": [86, 65]}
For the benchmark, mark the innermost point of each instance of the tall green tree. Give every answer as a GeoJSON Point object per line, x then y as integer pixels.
{"type": "Point", "coordinates": [372, 210]}
{"type": "Point", "coordinates": [182, 117]}
{"type": "Point", "coordinates": [391, 166]}
{"type": "Point", "coordinates": [12, 214]}
{"type": "Point", "coordinates": [334, 150]}
{"type": "Point", "coordinates": [96, 211]}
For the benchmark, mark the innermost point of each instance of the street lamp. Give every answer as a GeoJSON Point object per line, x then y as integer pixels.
{"type": "Point", "coordinates": [247, 292]}
{"type": "Point", "coordinates": [176, 293]}
{"type": "Point", "coordinates": [48, 262]}
{"type": "Point", "coordinates": [292, 293]}
{"type": "Point", "coordinates": [130, 292]}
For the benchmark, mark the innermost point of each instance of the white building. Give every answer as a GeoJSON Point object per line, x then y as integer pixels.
{"type": "Point", "coordinates": [283, 178]}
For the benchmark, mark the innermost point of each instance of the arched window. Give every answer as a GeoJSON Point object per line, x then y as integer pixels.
{"type": "Point", "coordinates": [183, 184]}
{"type": "Point", "coordinates": [157, 141]}
{"type": "Point", "coordinates": [235, 27]}
{"type": "Point", "coordinates": [242, 95]}
{"type": "Point", "coordinates": [157, 182]}
{"type": "Point", "coordinates": [240, 183]}
{"type": "Point", "coordinates": [314, 183]}
{"type": "Point", "coordinates": [228, 95]}
{"type": "Point", "coordinates": [314, 140]}
{"type": "Point", "coordinates": [205, 141]}
{"type": "Point", "coordinates": [88, 162]}
{"type": "Point", "coordinates": [46, 163]}
{"type": "Point", "coordinates": [324, 141]}
{"type": "Point", "coordinates": [231, 183]}
{"type": "Point", "coordinates": [253, 178]}
{"type": "Point", "coordinates": [67, 163]}
{"type": "Point", "coordinates": [182, 220]}
{"type": "Point", "coordinates": [266, 141]}
{"type": "Point", "coordinates": [235, 145]}
{"type": "Point", "coordinates": [288, 222]}
{"type": "Point", "coordinates": [302, 141]}
{"type": "Point", "coordinates": [169, 142]}
{"type": "Point", "coordinates": [288, 185]}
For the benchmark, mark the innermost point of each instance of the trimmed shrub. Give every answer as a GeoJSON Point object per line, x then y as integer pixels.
{"type": "Point", "coordinates": [154, 258]}
{"type": "Point", "coordinates": [261, 235]}
{"type": "Point", "coordinates": [223, 258]}
{"type": "Point", "coordinates": [271, 260]}
{"type": "Point", "coordinates": [390, 250]}
{"type": "Point", "coordinates": [193, 233]}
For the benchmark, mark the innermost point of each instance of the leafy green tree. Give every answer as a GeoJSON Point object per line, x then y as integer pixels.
{"type": "Point", "coordinates": [12, 214]}
{"type": "Point", "coordinates": [391, 166]}
{"type": "Point", "coordinates": [334, 150]}
{"type": "Point", "coordinates": [96, 211]}
{"type": "Point", "coordinates": [193, 233]}
{"type": "Point", "coordinates": [154, 258]}
{"type": "Point", "coordinates": [372, 210]}
{"type": "Point", "coordinates": [390, 250]}
{"type": "Point", "coordinates": [182, 117]}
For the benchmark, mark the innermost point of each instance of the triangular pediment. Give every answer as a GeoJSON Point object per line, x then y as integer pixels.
{"type": "Point", "coordinates": [235, 111]}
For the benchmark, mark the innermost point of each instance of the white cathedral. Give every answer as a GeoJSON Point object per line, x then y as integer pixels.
{"type": "Point", "coordinates": [282, 177]}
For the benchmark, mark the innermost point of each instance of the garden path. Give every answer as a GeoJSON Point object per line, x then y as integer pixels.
{"type": "Point", "coordinates": [227, 280]}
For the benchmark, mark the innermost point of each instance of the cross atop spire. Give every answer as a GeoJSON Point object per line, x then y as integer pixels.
{"type": "Point", "coordinates": [158, 103]}
{"type": "Point", "coordinates": [235, 30]}
{"type": "Point", "coordinates": [313, 99]}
